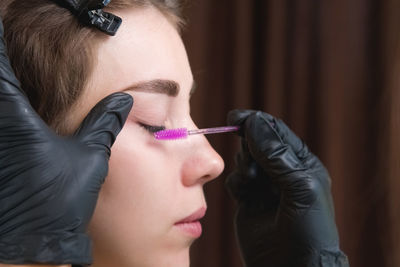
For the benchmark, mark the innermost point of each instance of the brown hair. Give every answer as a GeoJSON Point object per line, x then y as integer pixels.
{"type": "Point", "coordinates": [52, 53]}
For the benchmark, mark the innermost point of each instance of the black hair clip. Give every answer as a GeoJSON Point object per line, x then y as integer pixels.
{"type": "Point", "coordinates": [91, 13]}
{"type": "Point", "coordinates": [104, 21]}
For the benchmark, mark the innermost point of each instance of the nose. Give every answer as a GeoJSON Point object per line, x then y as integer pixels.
{"type": "Point", "coordinates": [203, 163]}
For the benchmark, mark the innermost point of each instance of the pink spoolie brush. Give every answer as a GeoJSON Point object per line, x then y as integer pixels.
{"type": "Point", "coordinates": [179, 133]}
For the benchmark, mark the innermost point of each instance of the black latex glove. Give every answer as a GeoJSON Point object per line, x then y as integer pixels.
{"type": "Point", "coordinates": [49, 184]}
{"type": "Point", "coordinates": [285, 214]}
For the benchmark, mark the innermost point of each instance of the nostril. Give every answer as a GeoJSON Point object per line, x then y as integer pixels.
{"type": "Point", "coordinates": [205, 179]}
{"type": "Point", "coordinates": [202, 166]}
{"type": "Point", "coordinates": [217, 166]}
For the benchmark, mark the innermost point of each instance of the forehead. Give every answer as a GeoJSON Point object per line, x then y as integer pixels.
{"type": "Point", "coordinates": [146, 47]}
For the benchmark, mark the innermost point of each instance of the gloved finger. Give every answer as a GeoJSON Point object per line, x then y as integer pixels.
{"type": "Point", "coordinates": [249, 178]}
{"type": "Point", "coordinates": [104, 122]}
{"type": "Point", "coordinates": [234, 184]}
{"type": "Point", "coordinates": [256, 193]}
{"type": "Point", "coordinates": [288, 137]}
{"type": "Point", "coordinates": [244, 168]}
{"type": "Point", "coordinates": [238, 117]}
{"type": "Point", "coordinates": [268, 148]}
{"type": "Point", "coordinates": [244, 159]}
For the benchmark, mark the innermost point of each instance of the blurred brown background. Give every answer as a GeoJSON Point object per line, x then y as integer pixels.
{"type": "Point", "coordinates": [329, 69]}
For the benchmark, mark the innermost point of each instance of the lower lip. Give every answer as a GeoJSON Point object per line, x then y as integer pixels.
{"type": "Point", "coordinates": [192, 228]}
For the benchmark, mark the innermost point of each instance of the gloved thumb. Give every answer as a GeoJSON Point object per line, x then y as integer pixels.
{"type": "Point", "coordinates": [104, 122]}
{"type": "Point", "coordinates": [271, 143]}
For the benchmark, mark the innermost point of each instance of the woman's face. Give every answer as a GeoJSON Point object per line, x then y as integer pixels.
{"type": "Point", "coordinates": [152, 185]}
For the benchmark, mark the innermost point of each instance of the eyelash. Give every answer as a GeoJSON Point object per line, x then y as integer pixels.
{"type": "Point", "coordinates": [152, 128]}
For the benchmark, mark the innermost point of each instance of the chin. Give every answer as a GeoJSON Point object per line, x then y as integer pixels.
{"type": "Point", "coordinates": [179, 259]}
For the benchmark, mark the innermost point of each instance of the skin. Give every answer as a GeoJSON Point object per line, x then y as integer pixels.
{"type": "Point", "coordinates": [9, 265]}
{"type": "Point", "coordinates": [151, 184]}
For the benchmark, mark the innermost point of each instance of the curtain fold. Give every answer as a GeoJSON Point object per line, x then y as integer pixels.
{"type": "Point", "coordinates": [322, 67]}
{"type": "Point", "coordinates": [390, 125]}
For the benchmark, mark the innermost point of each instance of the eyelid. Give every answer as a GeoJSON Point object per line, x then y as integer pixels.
{"type": "Point", "coordinates": [152, 128]}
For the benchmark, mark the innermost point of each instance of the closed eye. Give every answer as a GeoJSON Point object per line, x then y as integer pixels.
{"type": "Point", "coordinates": [152, 128]}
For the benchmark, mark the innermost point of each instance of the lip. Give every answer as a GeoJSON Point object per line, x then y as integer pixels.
{"type": "Point", "coordinates": [195, 216]}
{"type": "Point", "coordinates": [190, 224]}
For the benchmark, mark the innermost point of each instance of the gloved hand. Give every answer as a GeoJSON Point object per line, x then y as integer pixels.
{"type": "Point", "coordinates": [285, 213]}
{"type": "Point", "coordinates": [49, 184]}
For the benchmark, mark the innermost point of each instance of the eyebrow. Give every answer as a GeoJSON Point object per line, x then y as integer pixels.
{"type": "Point", "coordinates": [159, 86]}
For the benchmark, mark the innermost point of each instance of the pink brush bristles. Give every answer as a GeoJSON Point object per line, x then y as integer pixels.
{"type": "Point", "coordinates": [171, 134]}
{"type": "Point", "coordinates": [179, 133]}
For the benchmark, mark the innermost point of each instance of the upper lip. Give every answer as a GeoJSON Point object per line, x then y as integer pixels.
{"type": "Point", "coordinates": [195, 216]}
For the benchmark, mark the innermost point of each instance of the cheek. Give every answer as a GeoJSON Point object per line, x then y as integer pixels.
{"type": "Point", "coordinates": [137, 172]}
{"type": "Point", "coordinates": [138, 194]}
